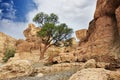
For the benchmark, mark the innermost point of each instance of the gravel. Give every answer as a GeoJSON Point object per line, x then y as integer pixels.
{"type": "Point", "coordinates": [64, 75]}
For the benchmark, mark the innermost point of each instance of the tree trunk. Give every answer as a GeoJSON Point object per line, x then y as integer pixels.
{"type": "Point", "coordinates": [41, 56]}
{"type": "Point", "coordinates": [42, 51]}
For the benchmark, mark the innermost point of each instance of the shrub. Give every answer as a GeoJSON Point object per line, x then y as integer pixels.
{"type": "Point", "coordinates": [8, 53]}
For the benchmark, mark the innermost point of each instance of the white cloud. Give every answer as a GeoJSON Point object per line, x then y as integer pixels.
{"type": "Point", "coordinates": [76, 13]}
{"type": "Point", "coordinates": [0, 11]}
{"type": "Point", "coordinates": [14, 29]}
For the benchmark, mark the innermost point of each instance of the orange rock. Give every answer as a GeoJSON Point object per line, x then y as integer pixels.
{"type": "Point", "coordinates": [6, 42]}
{"type": "Point", "coordinates": [81, 34]}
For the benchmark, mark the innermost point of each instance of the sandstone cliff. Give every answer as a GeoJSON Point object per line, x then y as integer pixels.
{"type": "Point", "coordinates": [31, 32]}
{"type": "Point", "coordinates": [102, 41]}
{"type": "Point", "coordinates": [103, 37]}
{"type": "Point", "coordinates": [31, 42]}
{"type": "Point", "coordinates": [6, 42]}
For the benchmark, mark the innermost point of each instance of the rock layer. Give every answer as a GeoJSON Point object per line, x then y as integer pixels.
{"type": "Point", "coordinates": [16, 69]}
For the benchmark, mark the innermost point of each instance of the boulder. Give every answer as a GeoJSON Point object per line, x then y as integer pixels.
{"type": "Point", "coordinates": [81, 34]}
{"type": "Point", "coordinates": [90, 64]}
{"type": "Point", "coordinates": [95, 74]}
{"type": "Point", "coordinates": [39, 75]}
{"type": "Point", "coordinates": [16, 69]}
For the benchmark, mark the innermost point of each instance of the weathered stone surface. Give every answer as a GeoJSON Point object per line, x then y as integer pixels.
{"type": "Point", "coordinates": [102, 41]}
{"type": "Point", "coordinates": [25, 47]}
{"type": "Point", "coordinates": [117, 12]}
{"type": "Point", "coordinates": [90, 64]}
{"type": "Point", "coordinates": [15, 69]}
{"type": "Point", "coordinates": [95, 74]}
{"type": "Point", "coordinates": [81, 34]}
{"type": "Point", "coordinates": [106, 7]}
{"type": "Point", "coordinates": [6, 42]}
{"type": "Point", "coordinates": [65, 57]}
{"type": "Point", "coordinates": [39, 75]}
{"type": "Point", "coordinates": [103, 33]}
{"type": "Point", "coordinates": [32, 42]}
{"type": "Point", "coordinates": [102, 65]}
{"type": "Point", "coordinates": [31, 33]}
{"type": "Point", "coordinates": [58, 67]}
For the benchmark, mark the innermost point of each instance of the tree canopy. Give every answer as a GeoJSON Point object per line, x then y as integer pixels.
{"type": "Point", "coordinates": [42, 18]}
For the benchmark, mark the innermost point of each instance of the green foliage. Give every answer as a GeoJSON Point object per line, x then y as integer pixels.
{"type": "Point", "coordinates": [51, 32]}
{"type": "Point", "coordinates": [8, 53]}
{"type": "Point", "coordinates": [54, 33]}
{"type": "Point", "coordinates": [42, 18]}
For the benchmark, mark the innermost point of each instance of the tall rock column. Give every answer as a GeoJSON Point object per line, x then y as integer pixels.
{"type": "Point", "coordinates": [103, 36]}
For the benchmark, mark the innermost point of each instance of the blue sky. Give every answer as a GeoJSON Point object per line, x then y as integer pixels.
{"type": "Point", "coordinates": [16, 14]}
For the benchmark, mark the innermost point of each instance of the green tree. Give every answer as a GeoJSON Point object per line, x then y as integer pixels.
{"type": "Point", "coordinates": [42, 18]}
{"type": "Point", "coordinates": [51, 33]}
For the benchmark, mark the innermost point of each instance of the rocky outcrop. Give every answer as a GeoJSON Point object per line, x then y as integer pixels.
{"type": "Point", "coordinates": [32, 41]}
{"type": "Point", "coordinates": [102, 41]}
{"type": "Point", "coordinates": [103, 34]}
{"type": "Point", "coordinates": [95, 74]}
{"type": "Point", "coordinates": [90, 64]}
{"type": "Point", "coordinates": [6, 42]}
{"type": "Point", "coordinates": [16, 68]}
{"type": "Point", "coordinates": [81, 34]}
{"type": "Point", "coordinates": [31, 32]}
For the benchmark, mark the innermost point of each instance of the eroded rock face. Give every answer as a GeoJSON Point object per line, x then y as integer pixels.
{"type": "Point", "coordinates": [6, 42]}
{"type": "Point", "coordinates": [16, 68]}
{"type": "Point", "coordinates": [106, 7]}
{"type": "Point", "coordinates": [95, 74]}
{"type": "Point", "coordinates": [102, 41]}
{"type": "Point", "coordinates": [31, 32]}
{"type": "Point", "coordinates": [32, 41]}
{"type": "Point", "coordinates": [103, 33]}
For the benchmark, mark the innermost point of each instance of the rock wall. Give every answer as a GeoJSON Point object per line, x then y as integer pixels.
{"type": "Point", "coordinates": [6, 42]}
{"type": "Point", "coordinates": [102, 41]}
{"type": "Point", "coordinates": [103, 37]}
